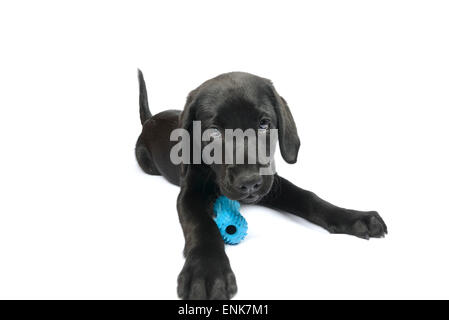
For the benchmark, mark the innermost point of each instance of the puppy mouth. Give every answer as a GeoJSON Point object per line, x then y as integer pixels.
{"type": "Point", "coordinates": [247, 199]}
{"type": "Point", "coordinates": [252, 198]}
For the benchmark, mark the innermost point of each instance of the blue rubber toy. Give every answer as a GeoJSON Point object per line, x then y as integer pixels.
{"type": "Point", "coordinates": [233, 227]}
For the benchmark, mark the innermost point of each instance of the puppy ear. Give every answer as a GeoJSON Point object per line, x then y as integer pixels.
{"type": "Point", "coordinates": [185, 121]}
{"type": "Point", "coordinates": [288, 135]}
{"type": "Point", "coordinates": [187, 116]}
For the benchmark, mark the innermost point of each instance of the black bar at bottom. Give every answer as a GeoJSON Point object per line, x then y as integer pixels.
{"type": "Point", "coordinates": [235, 309]}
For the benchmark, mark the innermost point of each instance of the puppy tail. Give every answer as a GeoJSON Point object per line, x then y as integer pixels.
{"type": "Point", "coordinates": [144, 110]}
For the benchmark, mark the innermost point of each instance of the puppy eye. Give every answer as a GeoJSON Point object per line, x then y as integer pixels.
{"type": "Point", "coordinates": [215, 133]}
{"type": "Point", "coordinates": [264, 124]}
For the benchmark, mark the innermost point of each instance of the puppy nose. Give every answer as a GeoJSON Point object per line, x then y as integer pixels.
{"type": "Point", "coordinates": [248, 184]}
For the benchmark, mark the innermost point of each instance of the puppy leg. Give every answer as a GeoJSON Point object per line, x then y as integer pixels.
{"type": "Point", "coordinates": [207, 273]}
{"type": "Point", "coordinates": [287, 197]}
{"type": "Point", "coordinates": [144, 159]}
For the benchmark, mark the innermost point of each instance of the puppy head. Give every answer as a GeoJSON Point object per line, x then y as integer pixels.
{"type": "Point", "coordinates": [240, 101]}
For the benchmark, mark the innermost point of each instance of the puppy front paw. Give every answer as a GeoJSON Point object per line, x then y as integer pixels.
{"type": "Point", "coordinates": [362, 224]}
{"type": "Point", "coordinates": [206, 277]}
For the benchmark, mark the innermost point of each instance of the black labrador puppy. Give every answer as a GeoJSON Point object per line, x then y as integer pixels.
{"type": "Point", "coordinates": [229, 101]}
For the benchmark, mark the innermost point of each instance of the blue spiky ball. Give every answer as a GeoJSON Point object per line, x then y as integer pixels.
{"type": "Point", "coordinates": [233, 227]}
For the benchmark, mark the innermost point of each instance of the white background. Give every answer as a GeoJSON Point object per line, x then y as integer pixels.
{"type": "Point", "coordinates": [367, 82]}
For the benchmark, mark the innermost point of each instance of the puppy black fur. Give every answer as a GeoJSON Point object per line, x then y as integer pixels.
{"type": "Point", "coordinates": [232, 100]}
